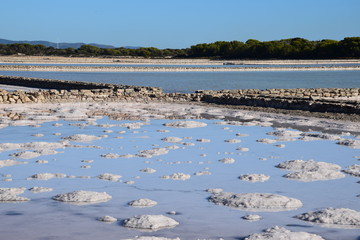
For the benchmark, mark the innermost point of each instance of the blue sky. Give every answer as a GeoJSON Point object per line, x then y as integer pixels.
{"type": "Point", "coordinates": [177, 23]}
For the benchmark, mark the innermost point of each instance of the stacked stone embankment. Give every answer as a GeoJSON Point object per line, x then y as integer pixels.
{"type": "Point", "coordinates": [334, 100]}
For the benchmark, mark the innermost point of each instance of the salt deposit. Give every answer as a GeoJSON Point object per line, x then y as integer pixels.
{"type": "Point", "coordinates": [177, 176]}
{"type": "Point", "coordinates": [10, 162]}
{"type": "Point", "coordinates": [148, 170]}
{"type": "Point", "coordinates": [171, 139]}
{"type": "Point", "coordinates": [109, 177]}
{"type": "Point", "coordinates": [214, 190]}
{"type": "Point", "coordinates": [353, 170]}
{"type": "Point", "coordinates": [150, 222]}
{"type": "Point", "coordinates": [151, 238]}
{"type": "Point", "coordinates": [203, 140]}
{"type": "Point", "coordinates": [26, 155]}
{"type": "Point", "coordinates": [232, 140]}
{"type": "Point", "coordinates": [10, 195]}
{"type": "Point", "coordinates": [242, 149]}
{"type": "Point", "coordinates": [256, 201]}
{"type": "Point", "coordinates": [200, 173]}
{"type": "Point", "coordinates": [333, 216]}
{"type": "Point", "coordinates": [185, 124]}
{"type": "Point", "coordinates": [40, 189]}
{"type": "Point", "coordinates": [152, 152]}
{"type": "Point", "coordinates": [266, 140]}
{"type": "Point", "coordinates": [314, 175]}
{"type": "Point", "coordinates": [352, 143]}
{"type": "Point", "coordinates": [42, 161]}
{"type": "Point", "coordinates": [277, 233]}
{"type": "Point", "coordinates": [47, 176]}
{"type": "Point", "coordinates": [254, 177]}
{"type": "Point", "coordinates": [143, 202]}
{"type": "Point", "coordinates": [107, 219]}
{"type": "Point", "coordinates": [81, 138]}
{"type": "Point", "coordinates": [110, 155]}
{"type": "Point", "coordinates": [307, 165]}
{"type": "Point", "coordinates": [227, 160]}
{"type": "Point", "coordinates": [83, 197]}
{"type": "Point", "coordinates": [252, 217]}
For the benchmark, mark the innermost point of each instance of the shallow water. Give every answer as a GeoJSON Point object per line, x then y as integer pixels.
{"type": "Point", "coordinates": [44, 218]}
{"type": "Point", "coordinates": [187, 82]}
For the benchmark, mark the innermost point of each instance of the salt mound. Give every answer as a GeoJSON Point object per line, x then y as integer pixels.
{"type": "Point", "coordinates": [256, 201]}
{"type": "Point", "coordinates": [185, 124]}
{"type": "Point", "coordinates": [315, 175]}
{"type": "Point", "coordinates": [201, 173]}
{"type": "Point", "coordinates": [227, 160]}
{"type": "Point", "coordinates": [110, 155]}
{"type": "Point", "coordinates": [203, 140]}
{"type": "Point", "coordinates": [81, 138]}
{"type": "Point", "coordinates": [285, 133]}
{"type": "Point", "coordinates": [242, 149]}
{"type": "Point", "coordinates": [349, 143]}
{"type": "Point", "coordinates": [232, 140]}
{"type": "Point", "coordinates": [353, 170]}
{"type": "Point", "coordinates": [47, 176]}
{"type": "Point", "coordinates": [148, 170]}
{"type": "Point", "coordinates": [152, 152]}
{"type": "Point", "coordinates": [171, 139]}
{"type": "Point", "coordinates": [336, 216]}
{"type": "Point", "coordinates": [83, 197]}
{"type": "Point", "coordinates": [254, 177]}
{"type": "Point", "coordinates": [150, 222]}
{"type": "Point", "coordinates": [151, 238]}
{"type": "Point", "coordinates": [10, 195]}
{"type": "Point", "coordinates": [10, 162]}
{"type": "Point", "coordinates": [307, 165]}
{"type": "Point", "coordinates": [177, 176]}
{"type": "Point", "coordinates": [143, 202]}
{"type": "Point", "coordinates": [109, 177]}
{"type": "Point", "coordinates": [318, 136]}
{"type": "Point", "coordinates": [308, 171]}
{"type": "Point", "coordinates": [266, 140]}
{"type": "Point", "coordinates": [26, 155]}
{"type": "Point", "coordinates": [278, 233]}
{"type": "Point", "coordinates": [40, 189]}
{"type": "Point", "coordinates": [214, 190]}
{"type": "Point", "coordinates": [252, 217]}
{"type": "Point", "coordinates": [107, 219]}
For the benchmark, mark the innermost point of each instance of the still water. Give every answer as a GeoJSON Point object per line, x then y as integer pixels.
{"type": "Point", "coordinates": [187, 82]}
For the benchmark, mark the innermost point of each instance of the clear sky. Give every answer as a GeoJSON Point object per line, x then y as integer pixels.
{"type": "Point", "coordinates": [177, 23]}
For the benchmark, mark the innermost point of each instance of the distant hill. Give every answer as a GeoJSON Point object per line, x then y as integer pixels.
{"type": "Point", "coordinates": [58, 45]}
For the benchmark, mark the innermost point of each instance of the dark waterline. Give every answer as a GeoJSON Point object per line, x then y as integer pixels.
{"type": "Point", "coordinates": [188, 82]}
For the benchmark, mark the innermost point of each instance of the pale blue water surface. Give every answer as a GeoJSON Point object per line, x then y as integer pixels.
{"type": "Point", "coordinates": [188, 82]}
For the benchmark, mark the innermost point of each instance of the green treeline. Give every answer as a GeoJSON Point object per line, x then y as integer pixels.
{"type": "Point", "coordinates": [293, 48]}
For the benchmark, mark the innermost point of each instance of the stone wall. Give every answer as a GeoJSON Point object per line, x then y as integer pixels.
{"type": "Point", "coordinates": [337, 100]}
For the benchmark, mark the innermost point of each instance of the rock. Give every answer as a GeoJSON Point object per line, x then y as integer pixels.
{"type": "Point", "coordinates": [81, 138]}
{"type": "Point", "coordinates": [353, 170]}
{"type": "Point", "coordinates": [107, 219]}
{"type": "Point", "coordinates": [254, 177]}
{"type": "Point", "coordinates": [171, 139]}
{"type": "Point", "coordinates": [143, 202]}
{"type": "Point", "coordinates": [333, 216]}
{"type": "Point", "coordinates": [40, 189]}
{"type": "Point", "coordinates": [279, 233]}
{"type": "Point", "coordinates": [227, 160]}
{"type": "Point", "coordinates": [109, 177]}
{"type": "Point", "coordinates": [47, 176]}
{"type": "Point", "coordinates": [177, 176]}
{"type": "Point", "coordinates": [10, 195]}
{"type": "Point", "coordinates": [252, 217]}
{"type": "Point", "coordinates": [185, 124]}
{"type": "Point", "coordinates": [256, 201]}
{"type": "Point", "coordinates": [150, 222]}
{"type": "Point", "coordinates": [83, 197]}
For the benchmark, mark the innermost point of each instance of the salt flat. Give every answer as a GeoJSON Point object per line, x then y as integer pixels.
{"type": "Point", "coordinates": [171, 154]}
